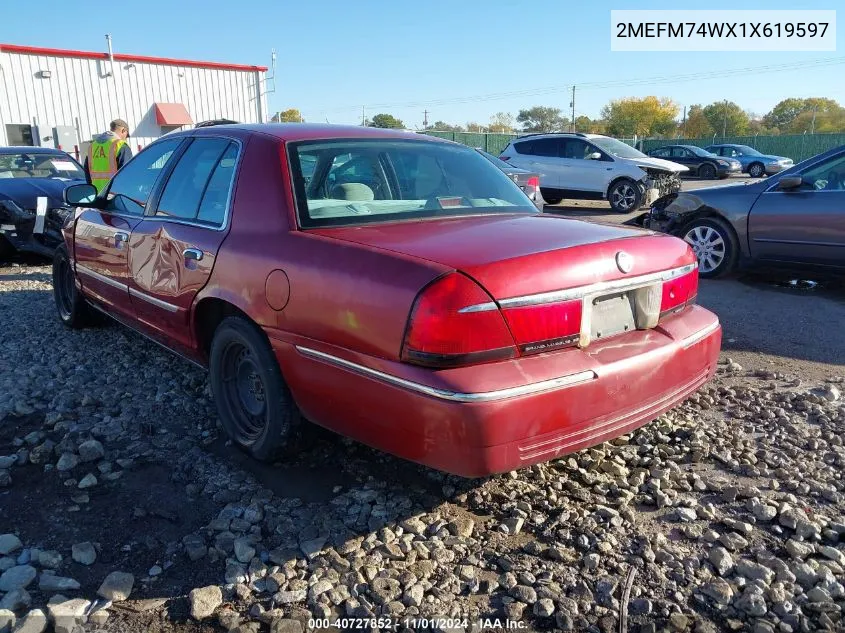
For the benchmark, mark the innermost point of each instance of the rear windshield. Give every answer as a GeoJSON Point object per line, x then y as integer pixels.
{"type": "Point", "coordinates": [341, 182]}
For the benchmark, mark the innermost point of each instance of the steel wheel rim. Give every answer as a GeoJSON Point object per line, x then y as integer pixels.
{"type": "Point", "coordinates": [244, 392]}
{"type": "Point", "coordinates": [623, 196]}
{"type": "Point", "coordinates": [709, 247]}
{"type": "Point", "coordinates": [64, 289]}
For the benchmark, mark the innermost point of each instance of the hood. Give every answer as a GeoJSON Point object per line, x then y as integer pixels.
{"type": "Point", "coordinates": [658, 163]}
{"type": "Point", "coordinates": [25, 191]}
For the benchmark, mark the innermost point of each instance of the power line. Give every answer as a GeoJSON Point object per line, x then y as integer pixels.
{"type": "Point", "coordinates": [597, 85]}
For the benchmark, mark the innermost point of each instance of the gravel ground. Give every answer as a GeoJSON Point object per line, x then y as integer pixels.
{"type": "Point", "coordinates": [121, 508]}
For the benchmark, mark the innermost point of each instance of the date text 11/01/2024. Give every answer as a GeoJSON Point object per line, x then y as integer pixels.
{"type": "Point", "coordinates": [394, 624]}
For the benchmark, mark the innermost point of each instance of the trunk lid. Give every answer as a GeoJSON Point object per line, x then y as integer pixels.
{"type": "Point", "coordinates": [517, 255]}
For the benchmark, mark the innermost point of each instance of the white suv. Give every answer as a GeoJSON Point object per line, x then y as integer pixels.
{"type": "Point", "coordinates": [594, 167]}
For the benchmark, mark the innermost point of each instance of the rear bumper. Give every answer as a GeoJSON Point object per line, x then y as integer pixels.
{"type": "Point", "coordinates": [503, 416]}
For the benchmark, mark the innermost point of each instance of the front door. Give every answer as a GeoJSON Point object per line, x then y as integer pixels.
{"type": "Point", "coordinates": [805, 225]}
{"type": "Point", "coordinates": [172, 250]}
{"type": "Point", "coordinates": [102, 234]}
{"type": "Point", "coordinates": [579, 171]}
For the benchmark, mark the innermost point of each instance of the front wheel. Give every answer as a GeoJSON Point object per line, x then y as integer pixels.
{"type": "Point", "coordinates": [714, 244]}
{"type": "Point", "coordinates": [707, 172]}
{"type": "Point", "coordinates": [756, 170]}
{"type": "Point", "coordinates": [625, 196]}
{"type": "Point", "coordinates": [71, 307]}
{"type": "Point", "coordinates": [255, 405]}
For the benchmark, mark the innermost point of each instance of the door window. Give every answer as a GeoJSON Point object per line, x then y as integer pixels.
{"type": "Point", "coordinates": [215, 200]}
{"type": "Point", "coordinates": [188, 183]}
{"type": "Point", "coordinates": [827, 176]}
{"type": "Point", "coordinates": [663, 152]}
{"type": "Point", "coordinates": [131, 187]}
{"type": "Point", "coordinates": [680, 152]}
{"type": "Point", "coordinates": [576, 149]}
{"type": "Point", "coordinates": [539, 147]}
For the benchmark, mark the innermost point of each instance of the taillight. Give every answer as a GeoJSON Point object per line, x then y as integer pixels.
{"type": "Point", "coordinates": [679, 292]}
{"type": "Point", "coordinates": [533, 181]}
{"type": "Point", "coordinates": [455, 322]}
{"type": "Point", "coordinates": [545, 327]}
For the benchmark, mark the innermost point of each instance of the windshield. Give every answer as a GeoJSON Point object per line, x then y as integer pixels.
{"type": "Point", "coordinates": [747, 151]}
{"type": "Point", "coordinates": [616, 148]}
{"type": "Point", "coordinates": [383, 180]}
{"type": "Point", "coordinates": [39, 165]}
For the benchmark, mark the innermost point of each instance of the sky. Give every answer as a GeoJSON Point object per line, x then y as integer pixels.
{"type": "Point", "coordinates": [462, 60]}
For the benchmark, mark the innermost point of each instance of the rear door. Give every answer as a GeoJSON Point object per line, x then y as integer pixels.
{"type": "Point", "coordinates": [173, 248]}
{"type": "Point", "coordinates": [805, 225]}
{"type": "Point", "coordinates": [102, 235]}
{"type": "Point", "coordinates": [540, 155]}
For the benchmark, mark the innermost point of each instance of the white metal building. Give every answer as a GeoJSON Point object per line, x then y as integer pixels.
{"type": "Point", "coordinates": [60, 98]}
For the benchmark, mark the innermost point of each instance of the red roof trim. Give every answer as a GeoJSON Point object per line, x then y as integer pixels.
{"type": "Point", "coordinates": [58, 52]}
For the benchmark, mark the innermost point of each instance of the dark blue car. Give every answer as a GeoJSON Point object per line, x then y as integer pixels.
{"type": "Point", "coordinates": [753, 162]}
{"type": "Point", "coordinates": [26, 174]}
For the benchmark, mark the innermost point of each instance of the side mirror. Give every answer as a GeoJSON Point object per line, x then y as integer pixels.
{"type": "Point", "coordinates": [788, 183]}
{"type": "Point", "coordinates": [80, 195]}
{"type": "Point", "coordinates": [595, 156]}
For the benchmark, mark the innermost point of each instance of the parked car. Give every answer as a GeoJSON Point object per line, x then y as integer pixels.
{"type": "Point", "coordinates": [594, 167]}
{"type": "Point", "coordinates": [409, 295]}
{"type": "Point", "coordinates": [528, 181]}
{"type": "Point", "coordinates": [27, 173]}
{"type": "Point", "coordinates": [700, 162]}
{"type": "Point", "coordinates": [793, 219]}
{"type": "Point", "coordinates": [753, 162]}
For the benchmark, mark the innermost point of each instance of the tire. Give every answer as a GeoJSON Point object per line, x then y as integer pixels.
{"type": "Point", "coordinates": [6, 249]}
{"type": "Point", "coordinates": [550, 198]}
{"type": "Point", "coordinates": [707, 172]}
{"type": "Point", "coordinates": [254, 403]}
{"type": "Point", "coordinates": [756, 170]}
{"type": "Point", "coordinates": [715, 246]}
{"type": "Point", "coordinates": [624, 196]}
{"type": "Point", "coordinates": [71, 307]}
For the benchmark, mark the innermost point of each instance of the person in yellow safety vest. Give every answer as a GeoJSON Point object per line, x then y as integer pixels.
{"type": "Point", "coordinates": [107, 153]}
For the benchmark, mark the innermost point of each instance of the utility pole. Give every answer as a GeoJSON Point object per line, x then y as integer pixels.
{"type": "Point", "coordinates": [425, 119]}
{"type": "Point", "coordinates": [725, 120]}
{"type": "Point", "coordinates": [813, 124]}
{"type": "Point", "coordinates": [572, 105]}
{"type": "Point", "coordinates": [363, 117]}
{"type": "Point", "coordinates": [684, 124]}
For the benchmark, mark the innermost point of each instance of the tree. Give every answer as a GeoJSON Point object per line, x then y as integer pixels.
{"type": "Point", "coordinates": [291, 115]}
{"type": "Point", "coordinates": [649, 116]}
{"type": "Point", "coordinates": [542, 119]}
{"type": "Point", "coordinates": [726, 118]}
{"type": "Point", "coordinates": [784, 114]}
{"type": "Point", "coordinates": [501, 123]}
{"type": "Point", "coordinates": [475, 127]}
{"type": "Point", "coordinates": [386, 121]}
{"type": "Point", "coordinates": [442, 126]}
{"type": "Point", "coordinates": [696, 125]}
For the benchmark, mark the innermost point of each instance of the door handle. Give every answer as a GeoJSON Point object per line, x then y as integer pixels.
{"type": "Point", "coordinates": [120, 238]}
{"type": "Point", "coordinates": [194, 254]}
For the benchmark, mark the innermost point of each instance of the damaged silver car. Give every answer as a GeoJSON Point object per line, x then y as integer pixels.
{"type": "Point", "coordinates": [32, 210]}
{"type": "Point", "coordinates": [594, 167]}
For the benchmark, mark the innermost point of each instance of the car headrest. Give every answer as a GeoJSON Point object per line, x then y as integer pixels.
{"type": "Point", "coordinates": [352, 191]}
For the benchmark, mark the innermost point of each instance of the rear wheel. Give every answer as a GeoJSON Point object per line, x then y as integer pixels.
{"type": "Point", "coordinates": [70, 305]}
{"type": "Point", "coordinates": [714, 244]}
{"type": "Point", "coordinates": [255, 405]}
{"type": "Point", "coordinates": [756, 170]}
{"type": "Point", "coordinates": [624, 196]}
{"type": "Point", "coordinates": [707, 172]}
{"type": "Point", "coordinates": [549, 197]}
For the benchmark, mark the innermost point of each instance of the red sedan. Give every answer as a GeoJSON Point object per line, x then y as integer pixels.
{"type": "Point", "coordinates": [395, 288]}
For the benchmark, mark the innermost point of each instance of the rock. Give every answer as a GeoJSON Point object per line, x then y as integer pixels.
{"type": "Point", "coordinates": [825, 550]}
{"type": "Point", "coordinates": [544, 608]}
{"type": "Point", "coordinates": [9, 543]}
{"type": "Point", "coordinates": [679, 622]}
{"type": "Point", "coordinates": [512, 525]}
{"type": "Point", "coordinates": [591, 561]}
{"type": "Point", "coordinates": [7, 620]}
{"type": "Point", "coordinates": [68, 461]}
{"type": "Point", "coordinates": [721, 560]}
{"type": "Point", "coordinates": [88, 481]}
{"type": "Point", "coordinates": [312, 548]}
{"type": "Point", "coordinates": [764, 512]}
{"type": "Point", "coordinates": [117, 586]}
{"type": "Point", "coordinates": [831, 393]}
{"type": "Point", "coordinates": [755, 571]}
{"type": "Point", "coordinates": [285, 625]}
{"type": "Point", "coordinates": [33, 622]}
{"type": "Point", "coordinates": [7, 461]}
{"type": "Point", "coordinates": [817, 594]}
{"type": "Point", "coordinates": [18, 577]}
{"type": "Point", "coordinates": [719, 590]}
{"type": "Point", "coordinates": [244, 551]}
{"type": "Point", "coordinates": [91, 451]}
{"type": "Point", "coordinates": [235, 574]}
{"type": "Point", "coordinates": [751, 603]}
{"type": "Point", "coordinates": [290, 597]}
{"type": "Point", "coordinates": [204, 601]}
{"type": "Point", "coordinates": [16, 600]}
{"type": "Point", "coordinates": [524, 593]}
{"type": "Point", "coordinates": [733, 541]}
{"type": "Point", "coordinates": [49, 559]}
{"type": "Point", "coordinates": [154, 571]}
{"type": "Point", "coordinates": [54, 584]}
{"type": "Point", "coordinates": [685, 514]}
{"type": "Point", "coordinates": [414, 595]}
{"type": "Point", "coordinates": [385, 590]}
{"type": "Point", "coordinates": [641, 606]}
{"type": "Point", "coordinates": [5, 479]}
{"type": "Point", "coordinates": [68, 614]}
{"type": "Point", "coordinates": [798, 549]}
{"type": "Point", "coordinates": [195, 547]}
{"type": "Point", "coordinates": [461, 526]}
{"type": "Point", "coordinates": [84, 553]}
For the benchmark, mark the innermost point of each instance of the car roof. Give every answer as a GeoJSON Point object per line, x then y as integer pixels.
{"type": "Point", "coordinates": [558, 135]}
{"type": "Point", "coordinates": [30, 149]}
{"type": "Point", "coordinates": [309, 131]}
